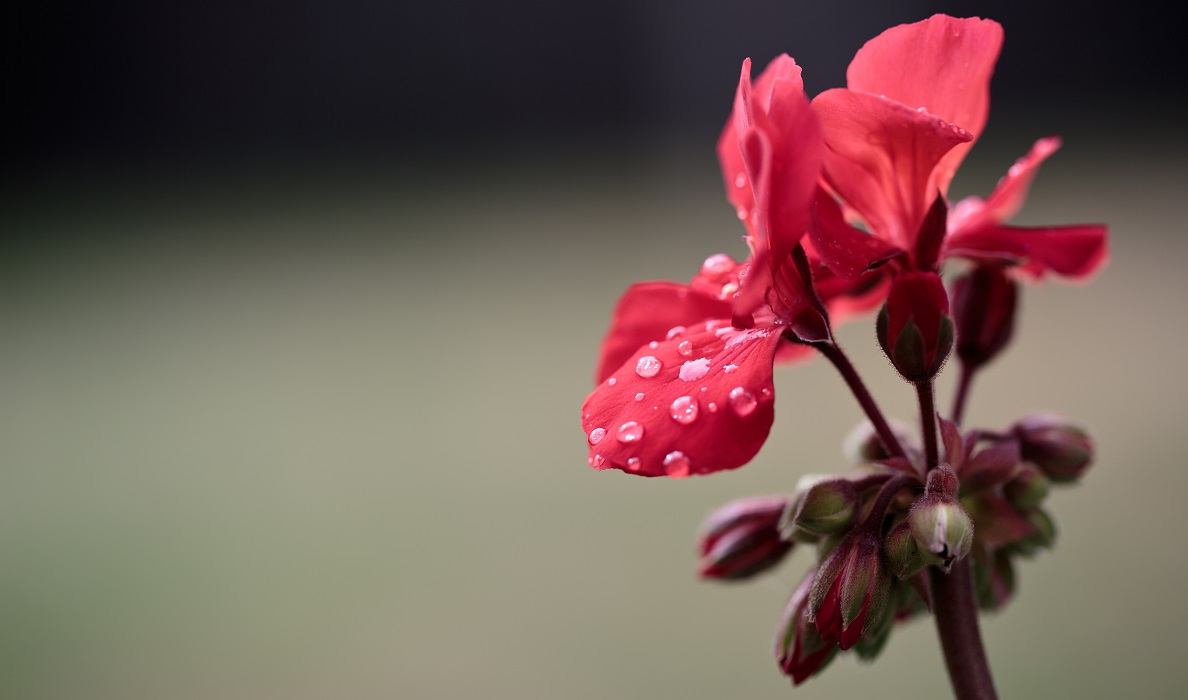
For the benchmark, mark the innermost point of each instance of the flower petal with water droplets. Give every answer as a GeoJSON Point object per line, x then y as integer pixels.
{"type": "Point", "coordinates": [674, 418]}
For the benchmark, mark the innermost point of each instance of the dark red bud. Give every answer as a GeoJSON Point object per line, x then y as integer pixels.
{"type": "Point", "coordinates": [799, 649]}
{"type": "Point", "coordinates": [1062, 451]}
{"type": "Point", "coordinates": [984, 305]}
{"type": "Point", "coordinates": [742, 538]}
{"type": "Point", "coordinates": [914, 326]}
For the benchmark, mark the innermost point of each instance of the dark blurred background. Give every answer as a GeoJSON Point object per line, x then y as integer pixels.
{"type": "Point", "coordinates": [299, 302]}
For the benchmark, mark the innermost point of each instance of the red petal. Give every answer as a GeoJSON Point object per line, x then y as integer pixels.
{"type": "Point", "coordinates": [779, 147]}
{"type": "Point", "coordinates": [942, 64]}
{"type": "Point", "coordinates": [880, 156]}
{"type": "Point", "coordinates": [648, 311]}
{"type": "Point", "coordinates": [847, 251]}
{"type": "Point", "coordinates": [972, 215]}
{"type": "Point", "coordinates": [706, 406]}
{"type": "Point", "coordinates": [1075, 251]}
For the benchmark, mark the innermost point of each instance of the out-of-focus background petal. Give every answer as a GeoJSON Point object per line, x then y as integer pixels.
{"type": "Point", "coordinates": [299, 302]}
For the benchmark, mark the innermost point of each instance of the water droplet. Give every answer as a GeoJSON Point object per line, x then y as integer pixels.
{"type": "Point", "coordinates": [730, 369]}
{"type": "Point", "coordinates": [674, 332]}
{"type": "Point", "coordinates": [611, 381]}
{"type": "Point", "coordinates": [742, 213]}
{"type": "Point", "coordinates": [630, 432]}
{"type": "Point", "coordinates": [639, 396]}
{"type": "Point", "coordinates": [596, 435]}
{"type": "Point", "coordinates": [597, 461]}
{"type": "Point", "coordinates": [742, 401]}
{"type": "Point", "coordinates": [647, 366]}
{"type": "Point", "coordinates": [633, 464]}
{"type": "Point", "coordinates": [728, 290]}
{"type": "Point", "coordinates": [712, 407]}
{"type": "Point", "coordinates": [676, 464]}
{"type": "Point", "coordinates": [740, 180]}
{"type": "Point", "coordinates": [765, 392]}
{"type": "Point", "coordinates": [713, 326]}
{"type": "Point", "coordinates": [654, 344]}
{"type": "Point", "coordinates": [684, 410]}
{"type": "Point", "coordinates": [921, 109]}
{"type": "Point", "coordinates": [693, 370]}
{"type": "Point", "coordinates": [717, 265]}
{"type": "Point", "coordinates": [685, 348]}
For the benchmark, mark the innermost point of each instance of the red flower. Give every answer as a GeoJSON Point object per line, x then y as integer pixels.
{"type": "Point", "coordinates": [685, 373]}
{"type": "Point", "coordinates": [917, 99]}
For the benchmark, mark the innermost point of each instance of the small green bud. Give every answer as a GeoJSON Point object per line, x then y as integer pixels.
{"type": "Point", "coordinates": [941, 528]}
{"type": "Point", "coordinates": [903, 553]}
{"type": "Point", "coordinates": [1028, 489]}
{"type": "Point", "coordinates": [826, 506]}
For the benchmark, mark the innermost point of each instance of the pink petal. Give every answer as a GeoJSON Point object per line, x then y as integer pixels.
{"type": "Point", "coordinates": [942, 64]}
{"type": "Point", "coordinates": [647, 312]}
{"type": "Point", "coordinates": [700, 402]}
{"type": "Point", "coordinates": [779, 147]}
{"type": "Point", "coordinates": [1075, 251]}
{"type": "Point", "coordinates": [880, 157]}
{"type": "Point", "coordinates": [847, 251]}
{"type": "Point", "coordinates": [971, 215]}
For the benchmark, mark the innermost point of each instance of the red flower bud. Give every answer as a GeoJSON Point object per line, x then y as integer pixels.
{"type": "Point", "coordinates": [914, 327]}
{"type": "Point", "coordinates": [799, 649]}
{"type": "Point", "coordinates": [1062, 452]}
{"type": "Point", "coordinates": [742, 538]}
{"type": "Point", "coordinates": [850, 588]}
{"type": "Point", "coordinates": [984, 303]}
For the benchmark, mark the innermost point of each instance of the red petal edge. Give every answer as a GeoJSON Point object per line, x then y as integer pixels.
{"type": "Point", "coordinates": [706, 406]}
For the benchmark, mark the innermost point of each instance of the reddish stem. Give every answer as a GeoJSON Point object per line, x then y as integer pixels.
{"type": "Point", "coordinates": [963, 384]}
{"type": "Point", "coordinates": [961, 639]}
{"type": "Point", "coordinates": [928, 423]}
{"type": "Point", "coordinates": [834, 354]}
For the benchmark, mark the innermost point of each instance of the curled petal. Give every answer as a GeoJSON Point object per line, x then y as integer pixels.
{"type": "Point", "coordinates": [778, 145]}
{"type": "Point", "coordinates": [880, 157]}
{"type": "Point", "coordinates": [648, 311]}
{"type": "Point", "coordinates": [699, 402]}
{"type": "Point", "coordinates": [1075, 251]}
{"type": "Point", "coordinates": [942, 64]}
{"type": "Point", "coordinates": [973, 215]}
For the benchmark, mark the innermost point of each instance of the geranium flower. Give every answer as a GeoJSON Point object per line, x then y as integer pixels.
{"type": "Point", "coordinates": [685, 373]}
{"type": "Point", "coordinates": [917, 99]}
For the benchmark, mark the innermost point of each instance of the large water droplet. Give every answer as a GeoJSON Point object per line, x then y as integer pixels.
{"type": "Point", "coordinates": [717, 265]}
{"type": "Point", "coordinates": [674, 332]}
{"type": "Point", "coordinates": [633, 464]}
{"type": "Point", "coordinates": [647, 366]}
{"type": "Point", "coordinates": [630, 432]}
{"type": "Point", "coordinates": [685, 348]}
{"type": "Point", "coordinates": [742, 401]}
{"type": "Point", "coordinates": [596, 435]}
{"type": "Point", "coordinates": [639, 396]}
{"type": "Point", "coordinates": [693, 370]}
{"type": "Point", "coordinates": [683, 410]}
{"type": "Point", "coordinates": [676, 464]}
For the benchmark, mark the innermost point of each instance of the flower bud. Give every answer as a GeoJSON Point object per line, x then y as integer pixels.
{"type": "Point", "coordinates": [994, 580]}
{"type": "Point", "coordinates": [1062, 451]}
{"type": "Point", "coordinates": [822, 507]}
{"type": "Point", "coordinates": [1028, 489]}
{"type": "Point", "coordinates": [904, 558]}
{"type": "Point", "coordinates": [984, 303]}
{"type": "Point", "coordinates": [799, 649]}
{"type": "Point", "coordinates": [850, 588]}
{"type": "Point", "coordinates": [914, 326]}
{"type": "Point", "coordinates": [742, 538]}
{"type": "Point", "coordinates": [863, 444]}
{"type": "Point", "coordinates": [1043, 534]}
{"type": "Point", "coordinates": [939, 524]}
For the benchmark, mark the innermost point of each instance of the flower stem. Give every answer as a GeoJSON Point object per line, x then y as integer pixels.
{"type": "Point", "coordinates": [833, 352]}
{"type": "Point", "coordinates": [961, 640]}
{"type": "Point", "coordinates": [967, 373]}
{"type": "Point", "coordinates": [928, 422]}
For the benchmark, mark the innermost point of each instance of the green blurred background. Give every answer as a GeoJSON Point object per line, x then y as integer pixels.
{"type": "Point", "coordinates": [306, 426]}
